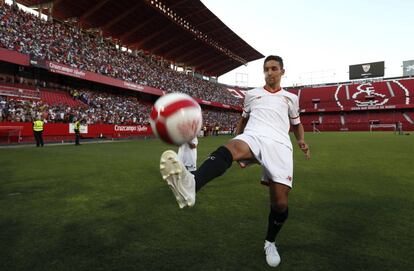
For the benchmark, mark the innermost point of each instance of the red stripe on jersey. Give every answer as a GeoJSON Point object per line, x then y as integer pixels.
{"type": "Point", "coordinates": [294, 117]}
{"type": "Point", "coordinates": [272, 90]}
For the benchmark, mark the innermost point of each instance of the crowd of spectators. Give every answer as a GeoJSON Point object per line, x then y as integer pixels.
{"type": "Point", "coordinates": [112, 108]}
{"type": "Point", "coordinates": [99, 108]}
{"type": "Point", "coordinates": [70, 45]}
{"type": "Point", "coordinates": [224, 120]}
{"type": "Point", "coordinates": [18, 110]}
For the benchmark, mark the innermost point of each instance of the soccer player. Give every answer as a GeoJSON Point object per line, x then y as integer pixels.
{"type": "Point", "coordinates": [263, 135]}
{"type": "Point", "coordinates": [187, 153]}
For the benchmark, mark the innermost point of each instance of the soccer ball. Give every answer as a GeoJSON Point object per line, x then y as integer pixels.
{"type": "Point", "coordinates": [176, 118]}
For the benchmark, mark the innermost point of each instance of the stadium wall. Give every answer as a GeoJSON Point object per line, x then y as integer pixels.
{"type": "Point", "coordinates": [64, 131]}
{"type": "Point", "coordinates": [14, 57]}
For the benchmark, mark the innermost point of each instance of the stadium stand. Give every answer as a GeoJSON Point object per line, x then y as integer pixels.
{"type": "Point", "coordinates": [355, 106]}
{"type": "Point", "coordinates": [18, 91]}
{"type": "Point", "coordinates": [96, 106]}
{"type": "Point", "coordinates": [331, 119]}
{"type": "Point", "coordinates": [56, 97]}
{"type": "Point", "coordinates": [317, 98]}
{"type": "Point", "coordinates": [406, 84]}
{"type": "Point", "coordinates": [409, 116]}
{"type": "Point", "coordinates": [29, 87]}
{"type": "Point", "coordinates": [69, 45]}
{"type": "Point", "coordinates": [32, 43]}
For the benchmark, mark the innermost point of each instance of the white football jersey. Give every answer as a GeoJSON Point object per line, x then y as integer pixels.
{"type": "Point", "coordinates": [270, 114]}
{"type": "Point", "coordinates": [189, 156]}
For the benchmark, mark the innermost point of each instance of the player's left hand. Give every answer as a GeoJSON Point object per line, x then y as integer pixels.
{"type": "Point", "coordinates": [247, 162]}
{"type": "Point", "coordinates": [305, 148]}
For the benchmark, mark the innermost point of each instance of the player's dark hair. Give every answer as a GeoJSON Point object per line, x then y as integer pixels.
{"type": "Point", "coordinates": [276, 58]}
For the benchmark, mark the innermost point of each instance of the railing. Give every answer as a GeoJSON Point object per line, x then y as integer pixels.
{"type": "Point", "coordinates": [19, 92]}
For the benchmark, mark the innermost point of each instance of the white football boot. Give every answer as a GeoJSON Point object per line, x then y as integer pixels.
{"type": "Point", "coordinates": [272, 256]}
{"type": "Point", "coordinates": [178, 178]}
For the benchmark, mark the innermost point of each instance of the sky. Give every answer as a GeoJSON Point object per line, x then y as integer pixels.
{"type": "Point", "coordinates": [319, 39]}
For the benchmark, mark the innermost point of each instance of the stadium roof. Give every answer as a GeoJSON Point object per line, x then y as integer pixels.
{"type": "Point", "coordinates": [183, 31]}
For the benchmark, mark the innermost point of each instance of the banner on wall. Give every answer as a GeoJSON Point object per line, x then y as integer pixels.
{"type": "Point", "coordinates": [83, 129]}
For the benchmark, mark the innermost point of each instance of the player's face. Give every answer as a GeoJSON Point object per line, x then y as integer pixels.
{"type": "Point", "coordinates": [273, 73]}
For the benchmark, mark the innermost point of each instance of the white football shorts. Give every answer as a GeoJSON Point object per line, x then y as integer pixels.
{"type": "Point", "coordinates": [275, 158]}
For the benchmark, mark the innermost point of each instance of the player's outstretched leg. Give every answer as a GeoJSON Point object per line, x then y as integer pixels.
{"type": "Point", "coordinates": [178, 178]}
{"type": "Point", "coordinates": [214, 166]}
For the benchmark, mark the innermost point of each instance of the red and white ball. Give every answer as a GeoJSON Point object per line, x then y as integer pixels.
{"type": "Point", "coordinates": [176, 118]}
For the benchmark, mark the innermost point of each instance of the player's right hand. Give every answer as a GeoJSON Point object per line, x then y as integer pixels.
{"type": "Point", "coordinates": [305, 148]}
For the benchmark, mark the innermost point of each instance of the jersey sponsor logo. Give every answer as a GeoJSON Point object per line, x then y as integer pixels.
{"type": "Point", "coordinates": [289, 178]}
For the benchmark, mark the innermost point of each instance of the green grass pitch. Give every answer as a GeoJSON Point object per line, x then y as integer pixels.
{"type": "Point", "coordinates": [105, 207]}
